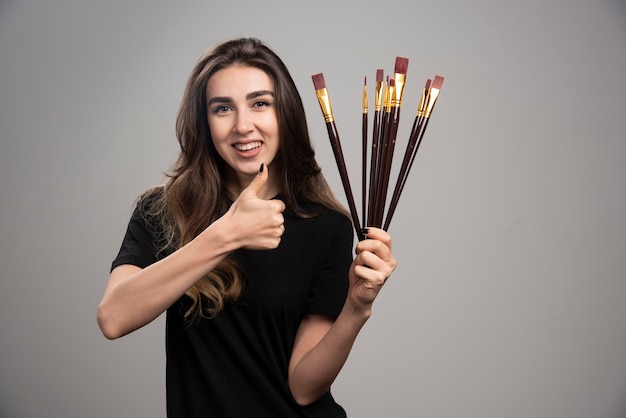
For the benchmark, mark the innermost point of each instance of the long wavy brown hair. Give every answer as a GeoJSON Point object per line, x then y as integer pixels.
{"type": "Point", "coordinates": [195, 194]}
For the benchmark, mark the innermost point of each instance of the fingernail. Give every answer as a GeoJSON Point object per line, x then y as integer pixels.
{"type": "Point", "coordinates": [262, 167]}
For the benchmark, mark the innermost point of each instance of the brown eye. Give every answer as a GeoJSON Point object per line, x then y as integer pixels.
{"type": "Point", "coordinates": [262, 103]}
{"type": "Point", "coordinates": [221, 109]}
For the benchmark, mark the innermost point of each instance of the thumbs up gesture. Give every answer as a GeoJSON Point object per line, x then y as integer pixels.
{"type": "Point", "coordinates": [258, 223]}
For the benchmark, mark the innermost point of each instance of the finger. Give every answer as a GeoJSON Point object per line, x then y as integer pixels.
{"type": "Point", "coordinates": [369, 259]}
{"type": "Point", "coordinates": [279, 205]}
{"type": "Point", "coordinates": [370, 278]}
{"type": "Point", "coordinates": [378, 234]}
{"type": "Point", "coordinates": [258, 182]}
{"type": "Point", "coordinates": [376, 247]}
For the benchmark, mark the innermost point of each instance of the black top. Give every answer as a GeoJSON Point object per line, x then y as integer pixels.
{"type": "Point", "coordinates": [235, 365]}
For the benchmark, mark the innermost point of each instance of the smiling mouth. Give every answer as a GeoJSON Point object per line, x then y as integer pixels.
{"type": "Point", "coordinates": [247, 147]}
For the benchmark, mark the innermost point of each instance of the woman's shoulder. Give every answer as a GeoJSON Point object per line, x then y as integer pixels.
{"type": "Point", "coordinates": [151, 197]}
{"type": "Point", "coordinates": [149, 207]}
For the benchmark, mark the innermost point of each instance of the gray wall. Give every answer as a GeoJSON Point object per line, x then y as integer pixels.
{"type": "Point", "coordinates": [509, 300]}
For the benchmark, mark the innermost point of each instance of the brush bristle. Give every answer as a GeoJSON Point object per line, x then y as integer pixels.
{"type": "Point", "coordinates": [392, 82]}
{"type": "Point", "coordinates": [365, 81]}
{"type": "Point", "coordinates": [318, 81]}
{"type": "Point", "coordinates": [402, 64]}
{"type": "Point", "coordinates": [437, 82]}
{"type": "Point", "coordinates": [427, 86]}
{"type": "Point", "coordinates": [380, 75]}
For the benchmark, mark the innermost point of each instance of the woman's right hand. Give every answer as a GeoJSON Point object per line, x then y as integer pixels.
{"type": "Point", "coordinates": [134, 296]}
{"type": "Point", "coordinates": [258, 223]}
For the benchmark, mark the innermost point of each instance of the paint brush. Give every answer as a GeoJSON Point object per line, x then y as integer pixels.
{"type": "Point", "coordinates": [382, 145]}
{"type": "Point", "coordinates": [424, 110]}
{"type": "Point", "coordinates": [413, 137]}
{"type": "Point", "coordinates": [396, 92]}
{"type": "Point", "coordinates": [364, 123]}
{"type": "Point", "coordinates": [378, 116]}
{"type": "Point", "coordinates": [387, 107]}
{"type": "Point", "coordinates": [383, 149]}
{"type": "Point", "coordinates": [324, 100]}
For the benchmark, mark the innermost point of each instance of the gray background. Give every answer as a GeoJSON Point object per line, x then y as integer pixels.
{"type": "Point", "coordinates": [509, 300]}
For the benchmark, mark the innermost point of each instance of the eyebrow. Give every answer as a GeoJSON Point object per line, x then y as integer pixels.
{"type": "Point", "coordinates": [249, 96]}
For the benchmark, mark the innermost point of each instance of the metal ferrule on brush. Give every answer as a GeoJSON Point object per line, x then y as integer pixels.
{"type": "Point", "coordinates": [324, 100]}
{"type": "Point", "coordinates": [365, 101]}
{"type": "Point", "coordinates": [398, 92]}
{"type": "Point", "coordinates": [389, 93]}
{"type": "Point", "coordinates": [432, 98]}
{"type": "Point", "coordinates": [421, 108]}
{"type": "Point", "coordinates": [378, 105]}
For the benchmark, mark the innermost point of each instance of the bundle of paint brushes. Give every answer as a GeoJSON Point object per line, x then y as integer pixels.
{"type": "Point", "coordinates": [387, 105]}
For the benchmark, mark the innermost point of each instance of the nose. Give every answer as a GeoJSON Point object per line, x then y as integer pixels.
{"type": "Point", "coordinates": [243, 122]}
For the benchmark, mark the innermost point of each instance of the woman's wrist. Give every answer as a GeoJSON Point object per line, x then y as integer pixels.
{"type": "Point", "coordinates": [359, 314]}
{"type": "Point", "coordinates": [220, 237]}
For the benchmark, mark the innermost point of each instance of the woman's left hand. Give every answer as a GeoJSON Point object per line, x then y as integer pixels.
{"type": "Point", "coordinates": [322, 344]}
{"type": "Point", "coordinates": [371, 268]}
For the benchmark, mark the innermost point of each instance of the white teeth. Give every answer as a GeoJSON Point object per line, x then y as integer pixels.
{"type": "Point", "coordinates": [247, 147]}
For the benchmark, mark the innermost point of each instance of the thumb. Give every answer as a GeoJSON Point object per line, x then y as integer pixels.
{"type": "Point", "coordinates": [258, 182]}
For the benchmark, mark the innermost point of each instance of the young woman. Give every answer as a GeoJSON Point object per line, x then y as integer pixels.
{"type": "Point", "coordinates": [247, 250]}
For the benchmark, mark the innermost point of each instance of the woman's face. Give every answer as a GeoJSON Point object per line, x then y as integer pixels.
{"type": "Point", "coordinates": [242, 119]}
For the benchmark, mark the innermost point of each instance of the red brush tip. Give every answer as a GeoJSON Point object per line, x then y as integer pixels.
{"type": "Point", "coordinates": [427, 86]}
{"type": "Point", "coordinates": [318, 81]}
{"type": "Point", "coordinates": [392, 82]}
{"type": "Point", "coordinates": [365, 81]}
{"type": "Point", "coordinates": [380, 75]}
{"type": "Point", "coordinates": [437, 82]}
{"type": "Point", "coordinates": [402, 64]}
